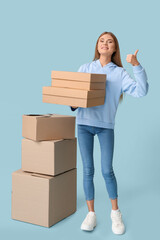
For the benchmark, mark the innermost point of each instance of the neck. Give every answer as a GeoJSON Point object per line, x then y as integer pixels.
{"type": "Point", "coordinates": [104, 59]}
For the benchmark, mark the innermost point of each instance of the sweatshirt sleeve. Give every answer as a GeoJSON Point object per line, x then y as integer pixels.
{"type": "Point", "coordinates": [138, 88]}
{"type": "Point", "coordinates": [81, 69]}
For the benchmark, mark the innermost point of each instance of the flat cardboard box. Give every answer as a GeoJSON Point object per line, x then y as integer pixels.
{"type": "Point", "coordinates": [70, 101]}
{"type": "Point", "coordinates": [49, 157]}
{"type": "Point", "coordinates": [41, 199]}
{"type": "Point", "coordinates": [78, 76]}
{"type": "Point", "coordinates": [75, 93]}
{"type": "Point", "coordinates": [48, 127]}
{"type": "Point", "coordinates": [78, 85]}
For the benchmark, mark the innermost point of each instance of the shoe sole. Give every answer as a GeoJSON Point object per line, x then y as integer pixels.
{"type": "Point", "coordinates": [87, 229]}
{"type": "Point", "coordinates": [117, 233]}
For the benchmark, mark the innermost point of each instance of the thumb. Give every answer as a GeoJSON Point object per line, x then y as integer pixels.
{"type": "Point", "coordinates": [135, 54]}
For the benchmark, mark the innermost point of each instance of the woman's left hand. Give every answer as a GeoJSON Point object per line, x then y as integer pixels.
{"type": "Point", "coordinates": [132, 58]}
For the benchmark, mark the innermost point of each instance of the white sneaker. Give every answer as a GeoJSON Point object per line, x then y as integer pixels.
{"type": "Point", "coordinates": [117, 222]}
{"type": "Point", "coordinates": [89, 222]}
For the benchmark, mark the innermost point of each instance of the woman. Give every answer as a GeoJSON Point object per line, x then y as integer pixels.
{"type": "Point", "coordinates": [100, 120]}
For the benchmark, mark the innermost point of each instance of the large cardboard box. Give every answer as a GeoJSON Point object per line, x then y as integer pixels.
{"type": "Point", "coordinates": [48, 127]}
{"type": "Point", "coordinates": [49, 157]}
{"type": "Point", "coordinates": [41, 199]}
{"type": "Point", "coordinates": [78, 84]}
{"type": "Point", "coordinates": [78, 76]}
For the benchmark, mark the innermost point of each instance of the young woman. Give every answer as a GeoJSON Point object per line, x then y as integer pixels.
{"type": "Point", "coordinates": [100, 120]}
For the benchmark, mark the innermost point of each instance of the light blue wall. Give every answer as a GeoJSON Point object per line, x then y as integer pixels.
{"type": "Point", "coordinates": [40, 36]}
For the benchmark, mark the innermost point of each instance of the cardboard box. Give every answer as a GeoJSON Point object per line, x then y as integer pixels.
{"type": "Point", "coordinates": [75, 97]}
{"type": "Point", "coordinates": [69, 101]}
{"type": "Point", "coordinates": [75, 93]}
{"type": "Point", "coordinates": [41, 199]}
{"type": "Point", "coordinates": [49, 157]}
{"type": "Point", "coordinates": [78, 76]}
{"type": "Point", "coordinates": [78, 84]}
{"type": "Point", "coordinates": [48, 127]}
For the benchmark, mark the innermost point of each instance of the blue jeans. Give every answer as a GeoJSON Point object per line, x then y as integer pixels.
{"type": "Point", "coordinates": [86, 142]}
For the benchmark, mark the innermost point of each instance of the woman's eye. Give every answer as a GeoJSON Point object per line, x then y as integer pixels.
{"type": "Point", "coordinates": [102, 41]}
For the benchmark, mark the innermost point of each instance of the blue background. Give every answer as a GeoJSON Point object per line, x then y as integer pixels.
{"type": "Point", "coordinates": [40, 36]}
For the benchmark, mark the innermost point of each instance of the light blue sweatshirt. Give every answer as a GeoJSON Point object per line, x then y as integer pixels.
{"type": "Point", "coordinates": [117, 81]}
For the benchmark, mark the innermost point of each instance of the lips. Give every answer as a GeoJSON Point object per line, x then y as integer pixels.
{"type": "Point", "coordinates": [104, 48]}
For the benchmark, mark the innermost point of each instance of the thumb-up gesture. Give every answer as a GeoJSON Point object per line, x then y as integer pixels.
{"type": "Point", "coordinates": [132, 58]}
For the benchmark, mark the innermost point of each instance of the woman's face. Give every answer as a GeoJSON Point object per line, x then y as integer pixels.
{"type": "Point", "coordinates": [106, 45]}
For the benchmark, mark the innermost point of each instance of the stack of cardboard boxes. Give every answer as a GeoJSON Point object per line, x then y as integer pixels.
{"type": "Point", "coordinates": [44, 190]}
{"type": "Point", "coordinates": [75, 89]}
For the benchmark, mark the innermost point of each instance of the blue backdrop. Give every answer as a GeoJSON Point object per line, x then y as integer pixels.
{"type": "Point", "coordinates": [40, 36]}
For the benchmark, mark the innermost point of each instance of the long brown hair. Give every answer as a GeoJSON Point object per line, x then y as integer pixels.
{"type": "Point", "coordinates": [115, 58]}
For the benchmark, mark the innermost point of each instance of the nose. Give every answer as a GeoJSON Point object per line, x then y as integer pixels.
{"type": "Point", "coordinates": [105, 45]}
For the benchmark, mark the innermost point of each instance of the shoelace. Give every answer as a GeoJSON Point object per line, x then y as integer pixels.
{"type": "Point", "coordinates": [88, 218]}
{"type": "Point", "coordinates": [117, 218]}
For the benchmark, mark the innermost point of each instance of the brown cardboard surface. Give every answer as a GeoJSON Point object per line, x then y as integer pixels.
{"type": "Point", "coordinates": [49, 157]}
{"type": "Point", "coordinates": [79, 76]}
{"type": "Point", "coordinates": [79, 102]}
{"type": "Point", "coordinates": [41, 199]}
{"type": "Point", "coordinates": [75, 93]}
{"type": "Point", "coordinates": [48, 127]}
{"type": "Point", "coordinates": [78, 84]}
